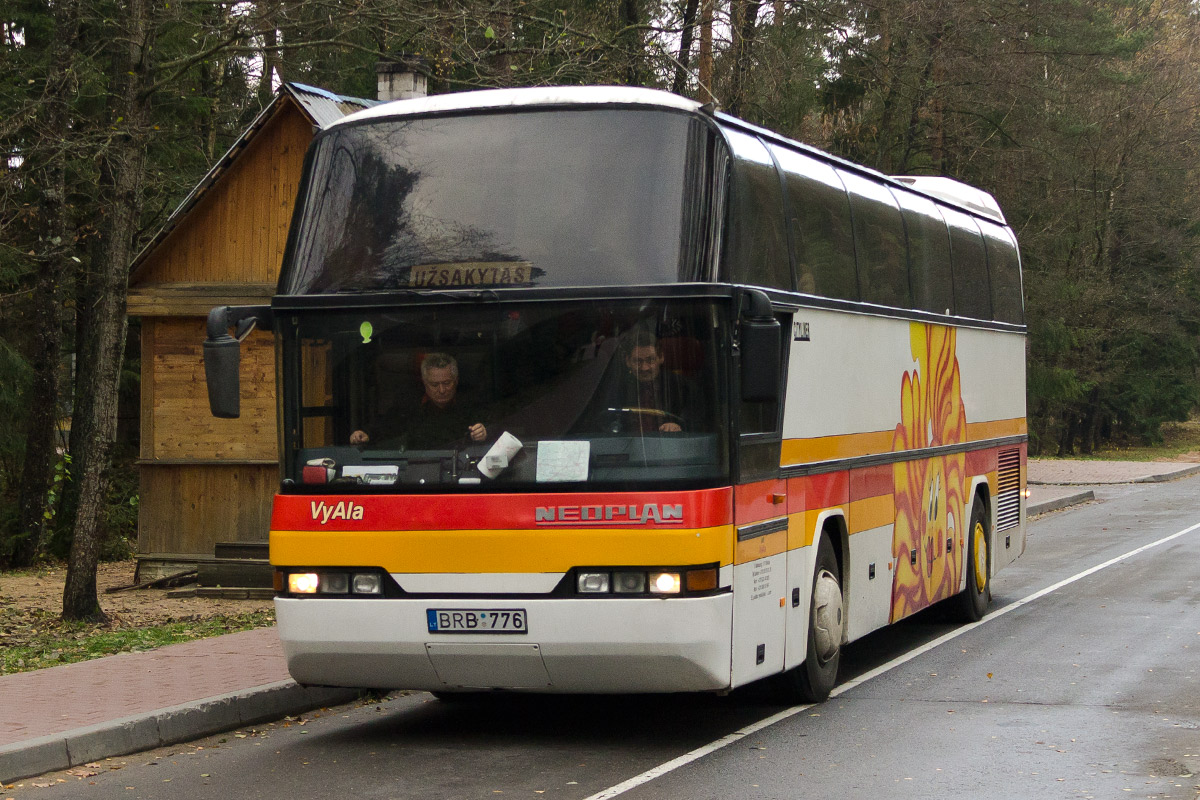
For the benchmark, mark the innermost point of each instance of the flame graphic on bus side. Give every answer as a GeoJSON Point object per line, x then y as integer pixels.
{"type": "Point", "coordinates": [929, 493]}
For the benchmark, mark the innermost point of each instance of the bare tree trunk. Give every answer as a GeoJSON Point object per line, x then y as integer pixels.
{"type": "Point", "coordinates": [122, 174]}
{"type": "Point", "coordinates": [937, 117]}
{"type": "Point", "coordinates": [634, 45]}
{"type": "Point", "coordinates": [47, 308]}
{"type": "Point", "coordinates": [685, 46]}
{"type": "Point", "coordinates": [502, 63]}
{"type": "Point", "coordinates": [43, 392]}
{"type": "Point", "coordinates": [743, 15]}
{"type": "Point", "coordinates": [704, 62]}
{"type": "Point", "coordinates": [270, 55]}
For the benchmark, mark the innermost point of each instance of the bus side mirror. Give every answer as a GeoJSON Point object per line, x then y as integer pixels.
{"type": "Point", "coordinates": [222, 355]}
{"type": "Point", "coordinates": [760, 349]}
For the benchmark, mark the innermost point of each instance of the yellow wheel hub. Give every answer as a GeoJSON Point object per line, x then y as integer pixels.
{"type": "Point", "coordinates": [980, 557]}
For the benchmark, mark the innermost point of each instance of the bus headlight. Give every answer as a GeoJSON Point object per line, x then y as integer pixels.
{"type": "Point", "coordinates": [367, 583]}
{"type": "Point", "coordinates": [335, 583]}
{"type": "Point", "coordinates": [593, 582]}
{"type": "Point", "coordinates": [664, 582]}
{"type": "Point", "coordinates": [302, 582]}
{"type": "Point", "coordinates": [629, 582]}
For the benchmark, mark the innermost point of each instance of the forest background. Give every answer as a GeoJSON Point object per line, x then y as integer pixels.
{"type": "Point", "coordinates": [1081, 116]}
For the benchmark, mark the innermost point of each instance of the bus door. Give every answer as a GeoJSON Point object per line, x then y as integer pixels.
{"type": "Point", "coordinates": [760, 577]}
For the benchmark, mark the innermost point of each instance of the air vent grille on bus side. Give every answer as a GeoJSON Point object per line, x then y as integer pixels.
{"type": "Point", "coordinates": [1008, 484]}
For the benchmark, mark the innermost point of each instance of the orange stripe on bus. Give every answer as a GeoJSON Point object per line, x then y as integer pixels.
{"type": "Point", "coordinates": [830, 448]}
{"type": "Point", "coordinates": [994, 430]}
{"type": "Point", "coordinates": [852, 445]}
{"type": "Point", "coordinates": [772, 544]}
{"type": "Point", "coordinates": [541, 550]}
{"type": "Point", "coordinates": [802, 527]}
{"type": "Point", "coordinates": [872, 512]}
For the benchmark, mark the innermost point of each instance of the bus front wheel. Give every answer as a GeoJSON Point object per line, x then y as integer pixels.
{"type": "Point", "coordinates": [813, 680]}
{"type": "Point", "coordinates": [973, 600]}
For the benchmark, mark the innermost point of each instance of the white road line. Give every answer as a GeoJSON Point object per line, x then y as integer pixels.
{"type": "Point", "coordinates": [724, 741]}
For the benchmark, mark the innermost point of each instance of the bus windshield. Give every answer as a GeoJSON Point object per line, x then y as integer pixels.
{"type": "Point", "coordinates": [562, 198]}
{"type": "Point", "coordinates": [537, 396]}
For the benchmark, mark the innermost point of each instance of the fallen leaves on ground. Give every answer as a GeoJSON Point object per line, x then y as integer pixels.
{"type": "Point", "coordinates": [33, 636]}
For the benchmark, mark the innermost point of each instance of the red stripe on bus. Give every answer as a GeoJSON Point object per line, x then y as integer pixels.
{"type": "Point", "coordinates": [818, 491]}
{"type": "Point", "coordinates": [981, 462]}
{"type": "Point", "coordinates": [695, 509]}
{"type": "Point", "coordinates": [753, 502]}
{"type": "Point", "coordinates": [872, 482]}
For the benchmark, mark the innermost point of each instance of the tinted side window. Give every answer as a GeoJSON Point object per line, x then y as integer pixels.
{"type": "Point", "coordinates": [755, 242]}
{"type": "Point", "coordinates": [928, 253]}
{"type": "Point", "coordinates": [1004, 269]}
{"type": "Point", "coordinates": [821, 229]}
{"type": "Point", "coordinates": [972, 289]}
{"type": "Point", "coordinates": [878, 243]}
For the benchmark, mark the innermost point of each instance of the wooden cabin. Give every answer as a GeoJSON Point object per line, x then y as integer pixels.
{"type": "Point", "coordinates": [206, 480]}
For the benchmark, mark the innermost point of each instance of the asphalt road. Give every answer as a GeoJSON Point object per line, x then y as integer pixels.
{"type": "Point", "coordinates": [1090, 690]}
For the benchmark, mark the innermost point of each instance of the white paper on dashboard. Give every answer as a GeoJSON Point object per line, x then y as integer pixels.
{"type": "Point", "coordinates": [497, 458]}
{"type": "Point", "coordinates": [562, 461]}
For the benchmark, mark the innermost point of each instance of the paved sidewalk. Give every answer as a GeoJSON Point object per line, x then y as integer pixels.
{"type": "Point", "coordinates": [1055, 484]}
{"type": "Point", "coordinates": [1062, 472]}
{"type": "Point", "coordinates": [65, 716]}
{"type": "Point", "coordinates": [70, 715]}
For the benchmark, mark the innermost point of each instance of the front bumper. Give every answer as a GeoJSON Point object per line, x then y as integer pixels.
{"type": "Point", "coordinates": [573, 645]}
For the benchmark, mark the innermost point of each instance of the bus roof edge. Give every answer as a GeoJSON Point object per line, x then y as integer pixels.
{"type": "Point", "coordinates": [525, 98]}
{"type": "Point", "coordinates": [958, 192]}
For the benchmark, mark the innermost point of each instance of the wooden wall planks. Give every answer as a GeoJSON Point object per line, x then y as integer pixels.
{"type": "Point", "coordinates": [176, 422]}
{"type": "Point", "coordinates": [188, 508]}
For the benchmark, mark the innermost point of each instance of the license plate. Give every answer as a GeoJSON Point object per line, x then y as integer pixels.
{"type": "Point", "coordinates": [477, 620]}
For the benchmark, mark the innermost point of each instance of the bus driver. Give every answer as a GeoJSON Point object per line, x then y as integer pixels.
{"type": "Point", "coordinates": [660, 400]}
{"type": "Point", "coordinates": [440, 417]}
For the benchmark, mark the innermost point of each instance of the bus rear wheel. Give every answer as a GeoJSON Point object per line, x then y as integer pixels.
{"type": "Point", "coordinates": [973, 600]}
{"type": "Point", "coordinates": [812, 681]}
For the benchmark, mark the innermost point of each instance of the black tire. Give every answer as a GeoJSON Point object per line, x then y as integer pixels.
{"type": "Point", "coordinates": [812, 681]}
{"type": "Point", "coordinates": [972, 601]}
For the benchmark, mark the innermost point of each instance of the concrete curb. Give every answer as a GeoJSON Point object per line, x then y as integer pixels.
{"type": "Point", "coordinates": [1059, 503]}
{"type": "Point", "coordinates": [1169, 476]}
{"type": "Point", "coordinates": [163, 727]}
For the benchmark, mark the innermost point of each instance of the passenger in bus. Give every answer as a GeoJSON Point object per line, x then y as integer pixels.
{"type": "Point", "coordinates": [439, 418]}
{"type": "Point", "coordinates": [648, 397]}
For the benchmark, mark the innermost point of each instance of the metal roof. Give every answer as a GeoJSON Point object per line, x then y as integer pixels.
{"type": "Point", "coordinates": [322, 108]}
{"type": "Point", "coordinates": [551, 96]}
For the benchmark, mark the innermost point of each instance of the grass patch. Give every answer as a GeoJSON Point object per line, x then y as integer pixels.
{"type": "Point", "coordinates": [1179, 438]}
{"type": "Point", "coordinates": [39, 639]}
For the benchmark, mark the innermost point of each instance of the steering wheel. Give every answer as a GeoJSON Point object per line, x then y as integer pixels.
{"type": "Point", "coordinates": [620, 420]}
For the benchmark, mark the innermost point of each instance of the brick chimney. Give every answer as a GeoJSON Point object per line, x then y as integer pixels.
{"type": "Point", "coordinates": [402, 79]}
